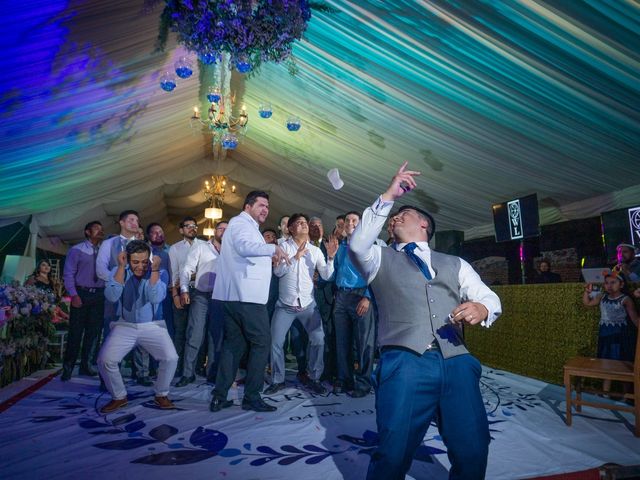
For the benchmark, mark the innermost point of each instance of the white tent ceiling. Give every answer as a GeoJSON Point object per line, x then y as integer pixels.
{"type": "Point", "coordinates": [490, 100]}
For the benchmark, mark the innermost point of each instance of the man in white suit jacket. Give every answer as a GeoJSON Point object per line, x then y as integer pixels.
{"type": "Point", "coordinates": [243, 276]}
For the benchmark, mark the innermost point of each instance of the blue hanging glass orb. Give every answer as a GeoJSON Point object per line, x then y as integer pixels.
{"type": "Point", "coordinates": [213, 95]}
{"type": "Point", "coordinates": [243, 65]}
{"type": "Point", "coordinates": [167, 82]}
{"type": "Point", "coordinates": [265, 110]}
{"type": "Point", "coordinates": [293, 123]}
{"type": "Point", "coordinates": [229, 141]}
{"type": "Point", "coordinates": [183, 68]}
{"type": "Point", "coordinates": [208, 58]}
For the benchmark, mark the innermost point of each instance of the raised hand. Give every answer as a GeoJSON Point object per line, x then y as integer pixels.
{"type": "Point", "coordinates": [280, 256]}
{"type": "Point", "coordinates": [331, 245]}
{"type": "Point", "coordinates": [122, 259]}
{"type": "Point", "coordinates": [155, 263]}
{"type": "Point", "coordinates": [302, 251]}
{"type": "Point", "coordinates": [401, 183]}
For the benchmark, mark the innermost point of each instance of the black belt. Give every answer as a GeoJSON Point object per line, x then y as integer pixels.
{"type": "Point", "coordinates": [90, 289]}
{"type": "Point", "coordinates": [353, 291]}
{"type": "Point", "coordinates": [432, 346]}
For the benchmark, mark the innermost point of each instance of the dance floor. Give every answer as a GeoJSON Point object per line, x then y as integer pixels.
{"type": "Point", "coordinates": [55, 432]}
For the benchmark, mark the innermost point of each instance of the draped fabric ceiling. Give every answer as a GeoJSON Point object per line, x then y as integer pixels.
{"type": "Point", "coordinates": [491, 100]}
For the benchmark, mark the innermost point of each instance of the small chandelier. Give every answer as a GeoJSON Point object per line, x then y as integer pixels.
{"type": "Point", "coordinates": [214, 191]}
{"type": "Point", "coordinates": [225, 128]}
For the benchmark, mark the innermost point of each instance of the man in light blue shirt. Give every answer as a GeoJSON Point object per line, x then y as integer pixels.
{"type": "Point", "coordinates": [107, 260]}
{"type": "Point", "coordinates": [353, 319]}
{"type": "Point", "coordinates": [137, 294]}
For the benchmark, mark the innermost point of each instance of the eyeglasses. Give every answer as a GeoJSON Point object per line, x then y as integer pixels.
{"type": "Point", "coordinates": [190, 225]}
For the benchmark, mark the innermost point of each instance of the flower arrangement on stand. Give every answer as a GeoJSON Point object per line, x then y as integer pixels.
{"type": "Point", "coordinates": [27, 322]}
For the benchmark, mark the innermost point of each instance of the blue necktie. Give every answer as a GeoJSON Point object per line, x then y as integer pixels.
{"type": "Point", "coordinates": [408, 249]}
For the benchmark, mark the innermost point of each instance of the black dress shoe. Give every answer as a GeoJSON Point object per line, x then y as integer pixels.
{"type": "Point", "coordinates": [359, 393]}
{"type": "Point", "coordinates": [316, 387]}
{"type": "Point", "coordinates": [144, 381]}
{"type": "Point", "coordinates": [216, 404]}
{"type": "Point", "coordinates": [184, 381]}
{"type": "Point", "coordinates": [303, 378]}
{"type": "Point", "coordinates": [257, 405]}
{"type": "Point", "coordinates": [338, 387]}
{"type": "Point", "coordinates": [66, 374]}
{"type": "Point", "coordinates": [274, 388]}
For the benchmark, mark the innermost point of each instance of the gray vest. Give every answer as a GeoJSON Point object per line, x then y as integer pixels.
{"type": "Point", "coordinates": [413, 311]}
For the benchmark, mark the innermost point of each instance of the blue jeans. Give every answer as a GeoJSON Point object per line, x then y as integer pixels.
{"type": "Point", "coordinates": [412, 390]}
{"type": "Point", "coordinates": [350, 329]}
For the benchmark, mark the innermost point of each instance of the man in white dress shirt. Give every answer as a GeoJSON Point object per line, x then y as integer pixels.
{"type": "Point", "coordinates": [425, 371]}
{"type": "Point", "coordinates": [201, 260]}
{"type": "Point", "coordinates": [178, 252]}
{"type": "Point", "coordinates": [242, 285]}
{"type": "Point", "coordinates": [296, 301]}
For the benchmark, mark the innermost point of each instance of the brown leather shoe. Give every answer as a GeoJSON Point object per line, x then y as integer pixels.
{"type": "Point", "coordinates": [164, 403]}
{"type": "Point", "coordinates": [114, 405]}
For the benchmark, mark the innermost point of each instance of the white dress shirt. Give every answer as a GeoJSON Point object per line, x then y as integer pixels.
{"type": "Point", "coordinates": [178, 256]}
{"type": "Point", "coordinates": [103, 260]}
{"type": "Point", "coordinates": [296, 280]}
{"type": "Point", "coordinates": [362, 245]}
{"type": "Point", "coordinates": [243, 269]}
{"type": "Point", "coordinates": [200, 260]}
{"type": "Point", "coordinates": [281, 240]}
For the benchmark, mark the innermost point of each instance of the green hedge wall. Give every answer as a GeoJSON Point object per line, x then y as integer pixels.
{"type": "Point", "coordinates": [541, 327]}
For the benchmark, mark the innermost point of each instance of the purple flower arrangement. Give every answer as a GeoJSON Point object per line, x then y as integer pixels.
{"type": "Point", "coordinates": [252, 32]}
{"type": "Point", "coordinates": [27, 318]}
{"type": "Point", "coordinates": [19, 302]}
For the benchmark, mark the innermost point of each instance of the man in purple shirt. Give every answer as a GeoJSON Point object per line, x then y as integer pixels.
{"type": "Point", "coordinates": [87, 300]}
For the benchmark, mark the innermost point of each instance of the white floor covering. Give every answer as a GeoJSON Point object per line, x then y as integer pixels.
{"type": "Point", "coordinates": [56, 433]}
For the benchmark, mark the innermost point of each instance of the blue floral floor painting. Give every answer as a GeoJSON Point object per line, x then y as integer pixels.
{"type": "Point", "coordinates": [56, 433]}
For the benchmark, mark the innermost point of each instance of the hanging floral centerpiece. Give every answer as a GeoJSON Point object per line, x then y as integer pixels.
{"type": "Point", "coordinates": [251, 32]}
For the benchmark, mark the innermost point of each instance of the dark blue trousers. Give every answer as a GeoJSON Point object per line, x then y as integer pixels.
{"type": "Point", "coordinates": [411, 391]}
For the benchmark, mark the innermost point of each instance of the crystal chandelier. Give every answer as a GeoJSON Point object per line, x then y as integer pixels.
{"type": "Point", "coordinates": [219, 116]}
{"type": "Point", "coordinates": [223, 126]}
{"type": "Point", "coordinates": [214, 192]}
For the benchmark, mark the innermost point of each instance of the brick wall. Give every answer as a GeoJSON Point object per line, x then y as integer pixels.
{"type": "Point", "coordinates": [492, 270]}
{"type": "Point", "coordinates": [564, 262]}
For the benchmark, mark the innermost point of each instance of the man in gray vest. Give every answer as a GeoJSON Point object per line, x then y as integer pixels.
{"type": "Point", "coordinates": [425, 371]}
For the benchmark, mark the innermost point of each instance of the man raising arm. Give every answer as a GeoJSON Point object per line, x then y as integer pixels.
{"type": "Point", "coordinates": [425, 369]}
